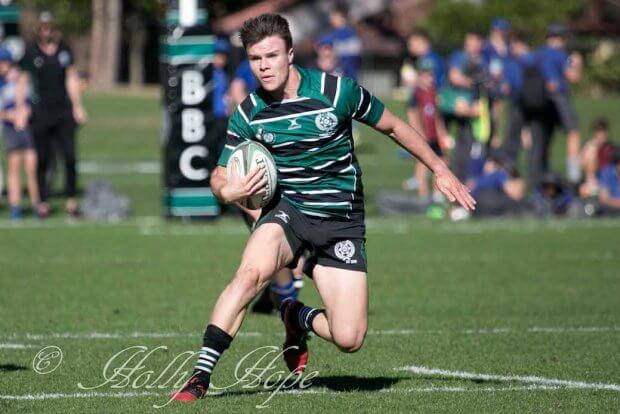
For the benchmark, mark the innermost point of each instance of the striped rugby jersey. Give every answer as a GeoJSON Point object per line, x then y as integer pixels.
{"type": "Point", "coordinates": [310, 140]}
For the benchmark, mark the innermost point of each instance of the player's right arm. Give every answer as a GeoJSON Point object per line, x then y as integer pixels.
{"type": "Point", "coordinates": [236, 188]}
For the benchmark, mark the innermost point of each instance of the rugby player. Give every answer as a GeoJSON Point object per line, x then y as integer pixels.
{"type": "Point", "coordinates": [303, 117]}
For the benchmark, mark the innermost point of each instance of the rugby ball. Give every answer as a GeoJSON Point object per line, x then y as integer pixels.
{"type": "Point", "coordinates": [244, 158]}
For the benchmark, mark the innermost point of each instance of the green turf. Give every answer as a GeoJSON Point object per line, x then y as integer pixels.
{"type": "Point", "coordinates": [523, 298]}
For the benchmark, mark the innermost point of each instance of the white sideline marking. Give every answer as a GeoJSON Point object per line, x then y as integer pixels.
{"type": "Point", "coordinates": [372, 332]}
{"type": "Point", "coordinates": [421, 370]}
{"type": "Point", "coordinates": [15, 346]}
{"type": "Point", "coordinates": [321, 391]}
{"type": "Point", "coordinates": [138, 167]}
{"type": "Point", "coordinates": [58, 395]}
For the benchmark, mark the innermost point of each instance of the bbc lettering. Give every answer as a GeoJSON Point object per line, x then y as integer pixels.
{"type": "Point", "coordinates": [193, 92]}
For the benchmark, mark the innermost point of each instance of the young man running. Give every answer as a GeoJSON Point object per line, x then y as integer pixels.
{"type": "Point", "coordinates": [304, 119]}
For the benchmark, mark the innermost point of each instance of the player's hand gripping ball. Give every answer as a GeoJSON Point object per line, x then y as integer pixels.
{"type": "Point", "coordinates": [244, 158]}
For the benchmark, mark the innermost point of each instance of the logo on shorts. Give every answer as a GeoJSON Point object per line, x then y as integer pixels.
{"type": "Point", "coordinates": [345, 250]}
{"type": "Point", "coordinates": [282, 216]}
{"type": "Point", "coordinates": [326, 121]}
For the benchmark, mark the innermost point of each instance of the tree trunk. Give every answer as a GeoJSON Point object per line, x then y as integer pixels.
{"type": "Point", "coordinates": [136, 31]}
{"type": "Point", "coordinates": [105, 43]}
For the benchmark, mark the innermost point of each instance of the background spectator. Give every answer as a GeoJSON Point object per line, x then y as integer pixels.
{"type": "Point", "coordinates": [557, 70]}
{"type": "Point", "coordinates": [423, 114]}
{"type": "Point", "coordinates": [419, 47]}
{"type": "Point", "coordinates": [243, 82]}
{"type": "Point", "coordinates": [609, 196]}
{"type": "Point", "coordinates": [345, 41]}
{"type": "Point", "coordinates": [56, 107]}
{"type": "Point", "coordinates": [18, 144]}
{"type": "Point", "coordinates": [596, 154]}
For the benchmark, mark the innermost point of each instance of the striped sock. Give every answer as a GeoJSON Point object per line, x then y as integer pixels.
{"type": "Point", "coordinates": [215, 342]}
{"type": "Point", "coordinates": [207, 359]}
{"type": "Point", "coordinates": [306, 315]}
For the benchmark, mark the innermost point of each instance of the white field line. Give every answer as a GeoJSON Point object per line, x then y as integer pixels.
{"type": "Point", "coordinates": [421, 370]}
{"type": "Point", "coordinates": [372, 332]}
{"type": "Point", "coordinates": [5, 345]}
{"type": "Point", "coordinates": [311, 391]}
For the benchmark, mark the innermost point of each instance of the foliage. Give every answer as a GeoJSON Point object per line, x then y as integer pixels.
{"type": "Point", "coordinates": [450, 19]}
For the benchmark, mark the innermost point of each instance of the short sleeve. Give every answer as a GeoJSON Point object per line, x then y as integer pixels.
{"type": "Point", "coordinates": [26, 63]}
{"type": "Point", "coordinates": [238, 131]}
{"type": "Point", "coordinates": [69, 53]}
{"type": "Point", "coordinates": [356, 102]}
{"type": "Point", "coordinates": [456, 61]}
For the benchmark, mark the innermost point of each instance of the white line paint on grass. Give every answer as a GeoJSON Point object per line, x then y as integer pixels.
{"type": "Point", "coordinates": [15, 346]}
{"type": "Point", "coordinates": [422, 370]}
{"type": "Point", "coordinates": [310, 391]}
{"type": "Point", "coordinates": [372, 332]}
{"type": "Point", "coordinates": [60, 395]}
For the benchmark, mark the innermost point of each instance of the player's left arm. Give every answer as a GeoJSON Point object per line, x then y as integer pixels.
{"type": "Point", "coordinates": [408, 138]}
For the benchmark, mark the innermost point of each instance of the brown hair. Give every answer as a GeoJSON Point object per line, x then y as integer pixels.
{"type": "Point", "coordinates": [600, 124]}
{"type": "Point", "coordinates": [256, 29]}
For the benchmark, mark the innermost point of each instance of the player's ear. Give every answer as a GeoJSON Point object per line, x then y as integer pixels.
{"type": "Point", "coordinates": [291, 55]}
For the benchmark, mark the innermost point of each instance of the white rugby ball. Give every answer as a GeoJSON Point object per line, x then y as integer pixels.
{"type": "Point", "coordinates": [244, 158]}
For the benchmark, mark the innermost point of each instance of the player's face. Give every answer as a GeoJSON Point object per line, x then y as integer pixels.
{"type": "Point", "coordinates": [270, 62]}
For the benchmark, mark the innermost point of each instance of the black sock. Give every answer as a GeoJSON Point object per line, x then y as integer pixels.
{"type": "Point", "coordinates": [215, 342]}
{"type": "Point", "coordinates": [305, 316]}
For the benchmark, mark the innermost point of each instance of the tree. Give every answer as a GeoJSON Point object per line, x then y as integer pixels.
{"type": "Point", "coordinates": [105, 43]}
{"type": "Point", "coordinates": [450, 19]}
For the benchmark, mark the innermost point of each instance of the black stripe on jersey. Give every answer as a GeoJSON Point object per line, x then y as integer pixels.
{"type": "Point", "coordinates": [246, 106]}
{"type": "Point", "coordinates": [289, 108]}
{"type": "Point", "coordinates": [327, 198]}
{"type": "Point", "coordinates": [233, 140]}
{"type": "Point", "coordinates": [366, 97]}
{"type": "Point", "coordinates": [300, 147]}
{"type": "Point", "coordinates": [321, 169]}
{"type": "Point", "coordinates": [357, 202]}
{"type": "Point", "coordinates": [331, 86]}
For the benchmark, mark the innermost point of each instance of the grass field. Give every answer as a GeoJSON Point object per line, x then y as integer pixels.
{"type": "Point", "coordinates": [493, 316]}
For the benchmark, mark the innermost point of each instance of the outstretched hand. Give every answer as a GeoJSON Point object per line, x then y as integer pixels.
{"type": "Point", "coordinates": [453, 189]}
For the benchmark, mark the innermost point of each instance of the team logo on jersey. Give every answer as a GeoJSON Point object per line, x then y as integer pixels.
{"type": "Point", "coordinates": [282, 216]}
{"type": "Point", "coordinates": [294, 124]}
{"type": "Point", "coordinates": [38, 61]}
{"type": "Point", "coordinates": [345, 250]}
{"type": "Point", "coordinates": [267, 137]}
{"type": "Point", "coordinates": [326, 121]}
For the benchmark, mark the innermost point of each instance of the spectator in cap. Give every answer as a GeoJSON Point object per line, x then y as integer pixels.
{"type": "Point", "coordinates": [243, 83]}
{"type": "Point", "coordinates": [18, 144]}
{"type": "Point", "coordinates": [56, 107]}
{"type": "Point", "coordinates": [609, 195]}
{"type": "Point", "coordinates": [558, 69]}
{"type": "Point", "coordinates": [424, 116]}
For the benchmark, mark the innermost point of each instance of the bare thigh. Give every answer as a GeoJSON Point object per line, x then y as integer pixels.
{"type": "Point", "coordinates": [345, 296]}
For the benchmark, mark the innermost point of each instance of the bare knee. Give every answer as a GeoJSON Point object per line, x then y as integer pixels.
{"type": "Point", "coordinates": [349, 340]}
{"type": "Point", "coordinates": [247, 281]}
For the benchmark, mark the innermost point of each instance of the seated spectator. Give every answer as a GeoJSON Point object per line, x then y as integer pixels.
{"type": "Point", "coordinates": [18, 144]}
{"type": "Point", "coordinates": [498, 190]}
{"type": "Point", "coordinates": [609, 195]}
{"type": "Point", "coordinates": [596, 154]}
{"type": "Point", "coordinates": [553, 196]}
